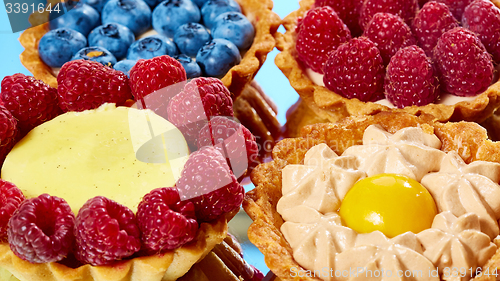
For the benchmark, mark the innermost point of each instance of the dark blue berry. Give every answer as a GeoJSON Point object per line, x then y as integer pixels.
{"type": "Point", "coordinates": [134, 14]}
{"type": "Point", "coordinates": [193, 70]}
{"type": "Point", "coordinates": [190, 37]}
{"type": "Point", "coordinates": [213, 8]}
{"type": "Point", "coordinates": [98, 54]}
{"type": "Point", "coordinates": [58, 46]}
{"type": "Point", "coordinates": [82, 18]}
{"type": "Point", "coordinates": [171, 14]}
{"type": "Point", "coordinates": [125, 66]}
{"type": "Point", "coordinates": [217, 57]}
{"type": "Point", "coordinates": [235, 27]}
{"type": "Point", "coordinates": [114, 37]}
{"type": "Point", "coordinates": [150, 47]}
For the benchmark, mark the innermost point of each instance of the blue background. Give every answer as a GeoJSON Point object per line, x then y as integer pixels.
{"type": "Point", "coordinates": [269, 77]}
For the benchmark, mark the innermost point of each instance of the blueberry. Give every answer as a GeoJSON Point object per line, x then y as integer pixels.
{"type": "Point", "coordinates": [235, 27]}
{"type": "Point", "coordinates": [192, 68]}
{"type": "Point", "coordinates": [58, 46]}
{"type": "Point", "coordinates": [82, 18]}
{"type": "Point", "coordinates": [190, 37]}
{"type": "Point", "coordinates": [217, 57]}
{"type": "Point", "coordinates": [171, 14]}
{"type": "Point", "coordinates": [114, 37]}
{"type": "Point", "coordinates": [96, 4]}
{"type": "Point", "coordinates": [134, 14]}
{"type": "Point", "coordinates": [150, 47]}
{"type": "Point", "coordinates": [199, 3]}
{"type": "Point", "coordinates": [212, 8]}
{"type": "Point", "coordinates": [98, 54]}
{"type": "Point", "coordinates": [125, 66]}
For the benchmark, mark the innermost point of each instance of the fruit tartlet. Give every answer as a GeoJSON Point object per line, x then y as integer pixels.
{"type": "Point", "coordinates": [392, 56]}
{"type": "Point", "coordinates": [317, 208]}
{"type": "Point", "coordinates": [117, 192]}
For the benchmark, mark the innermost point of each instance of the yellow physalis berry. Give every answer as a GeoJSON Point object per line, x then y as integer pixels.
{"type": "Point", "coordinates": [390, 203]}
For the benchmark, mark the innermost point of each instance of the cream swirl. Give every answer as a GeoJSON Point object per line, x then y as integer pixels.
{"type": "Point", "coordinates": [467, 196]}
{"type": "Point", "coordinates": [456, 243]}
{"type": "Point", "coordinates": [315, 238]}
{"type": "Point", "coordinates": [380, 258]}
{"type": "Point", "coordinates": [321, 183]}
{"type": "Point", "coordinates": [461, 188]}
{"type": "Point", "coordinates": [409, 152]}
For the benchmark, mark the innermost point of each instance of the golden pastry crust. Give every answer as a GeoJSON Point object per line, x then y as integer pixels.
{"type": "Point", "coordinates": [168, 266]}
{"type": "Point", "coordinates": [467, 138]}
{"type": "Point", "coordinates": [331, 106]}
{"type": "Point", "coordinates": [259, 12]}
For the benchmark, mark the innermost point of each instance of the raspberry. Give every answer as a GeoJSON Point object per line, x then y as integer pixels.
{"type": "Point", "coordinates": [158, 73]}
{"type": "Point", "coordinates": [405, 9]}
{"type": "Point", "coordinates": [319, 33]}
{"type": "Point", "coordinates": [41, 230]}
{"type": "Point", "coordinates": [464, 66]}
{"type": "Point", "coordinates": [165, 222]}
{"type": "Point", "coordinates": [8, 132]}
{"type": "Point", "coordinates": [356, 70]}
{"type": "Point", "coordinates": [233, 140]}
{"type": "Point", "coordinates": [200, 100]}
{"type": "Point", "coordinates": [31, 101]}
{"type": "Point", "coordinates": [105, 231]}
{"type": "Point", "coordinates": [389, 33]}
{"type": "Point", "coordinates": [431, 22]}
{"type": "Point", "coordinates": [10, 199]}
{"type": "Point", "coordinates": [483, 18]}
{"type": "Point", "coordinates": [347, 10]}
{"type": "Point", "coordinates": [411, 78]}
{"type": "Point", "coordinates": [207, 181]}
{"type": "Point", "coordinates": [85, 84]}
{"type": "Point", "coordinates": [456, 7]}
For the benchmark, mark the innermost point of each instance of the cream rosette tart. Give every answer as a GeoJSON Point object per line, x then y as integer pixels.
{"type": "Point", "coordinates": [315, 205]}
{"type": "Point", "coordinates": [325, 105]}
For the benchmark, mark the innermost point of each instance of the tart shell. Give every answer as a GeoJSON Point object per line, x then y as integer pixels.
{"type": "Point", "coordinates": [467, 138]}
{"type": "Point", "coordinates": [259, 12]}
{"type": "Point", "coordinates": [165, 267]}
{"type": "Point", "coordinates": [332, 107]}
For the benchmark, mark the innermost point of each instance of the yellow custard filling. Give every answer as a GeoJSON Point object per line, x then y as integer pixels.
{"type": "Point", "coordinates": [80, 155]}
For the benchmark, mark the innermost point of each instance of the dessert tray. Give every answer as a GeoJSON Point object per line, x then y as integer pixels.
{"type": "Point", "coordinates": [331, 106]}
{"type": "Point", "coordinates": [466, 142]}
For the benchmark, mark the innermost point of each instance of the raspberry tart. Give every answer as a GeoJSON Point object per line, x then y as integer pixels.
{"type": "Point", "coordinates": [119, 192]}
{"type": "Point", "coordinates": [104, 180]}
{"type": "Point", "coordinates": [294, 210]}
{"type": "Point", "coordinates": [331, 83]}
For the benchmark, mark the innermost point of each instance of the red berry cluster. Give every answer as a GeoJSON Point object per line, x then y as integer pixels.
{"type": "Point", "coordinates": [454, 46]}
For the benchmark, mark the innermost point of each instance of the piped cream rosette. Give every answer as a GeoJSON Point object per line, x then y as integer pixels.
{"type": "Point", "coordinates": [457, 245]}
